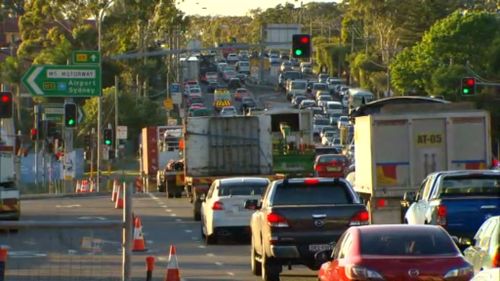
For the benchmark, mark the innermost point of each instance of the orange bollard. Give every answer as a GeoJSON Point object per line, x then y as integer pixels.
{"type": "Point", "coordinates": [78, 187]}
{"type": "Point", "coordinates": [3, 260]}
{"type": "Point", "coordinates": [150, 265]}
{"type": "Point", "coordinates": [119, 198]}
{"type": "Point", "coordinates": [115, 191]}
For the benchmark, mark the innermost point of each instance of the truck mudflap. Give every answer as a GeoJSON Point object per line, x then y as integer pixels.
{"type": "Point", "coordinates": [10, 206]}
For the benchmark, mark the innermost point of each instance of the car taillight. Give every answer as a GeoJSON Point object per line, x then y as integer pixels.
{"type": "Point", "coordinates": [218, 206]}
{"type": "Point", "coordinates": [356, 272]}
{"type": "Point", "coordinates": [360, 218]}
{"type": "Point", "coordinates": [320, 168]}
{"type": "Point", "coordinates": [466, 271]}
{"type": "Point", "coordinates": [495, 262]}
{"type": "Point", "coordinates": [441, 215]}
{"type": "Point", "coordinates": [311, 181]}
{"type": "Point", "coordinates": [276, 220]}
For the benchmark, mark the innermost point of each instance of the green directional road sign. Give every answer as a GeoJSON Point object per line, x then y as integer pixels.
{"type": "Point", "coordinates": [85, 57]}
{"type": "Point", "coordinates": [63, 80]}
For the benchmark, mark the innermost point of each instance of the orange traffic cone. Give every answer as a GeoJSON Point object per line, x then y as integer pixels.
{"type": "Point", "coordinates": [119, 198]}
{"type": "Point", "coordinates": [77, 188]}
{"type": "Point", "coordinates": [84, 186]}
{"type": "Point", "coordinates": [92, 186]}
{"type": "Point", "coordinates": [172, 267]}
{"type": "Point", "coordinates": [115, 191]}
{"type": "Point", "coordinates": [139, 244]}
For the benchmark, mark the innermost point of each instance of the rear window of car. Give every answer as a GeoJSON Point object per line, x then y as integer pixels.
{"type": "Point", "coordinates": [410, 242]}
{"type": "Point", "coordinates": [471, 185]}
{"type": "Point", "coordinates": [330, 158]}
{"type": "Point", "coordinates": [321, 121]}
{"type": "Point", "coordinates": [242, 188]}
{"type": "Point", "coordinates": [323, 193]}
{"type": "Point", "coordinates": [320, 86]}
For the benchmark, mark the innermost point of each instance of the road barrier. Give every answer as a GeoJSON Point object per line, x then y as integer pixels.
{"type": "Point", "coordinates": [87, 248]}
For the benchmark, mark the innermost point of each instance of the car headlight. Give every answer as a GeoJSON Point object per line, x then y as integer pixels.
{"type": "Point", "coordinates": [459, 272]}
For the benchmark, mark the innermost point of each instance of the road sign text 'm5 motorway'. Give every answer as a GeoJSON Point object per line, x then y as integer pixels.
{"type": "Point", "coordinates": [63, 80]}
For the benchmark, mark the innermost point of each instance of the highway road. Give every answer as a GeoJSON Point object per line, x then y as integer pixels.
{"type": "Point", "coordinates": [66, 254]}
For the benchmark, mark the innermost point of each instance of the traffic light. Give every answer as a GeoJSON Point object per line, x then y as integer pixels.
{"type": "Point", "coordinates": [5, 105]}
{"type": "Point", "coordinates": [108, 137]}
{"type": "Point", "coordinates": [70, 115]}
{"type": "Point", "coordinates": [34, 134]}
{"type": "Point", "coordinates": [468, 86]}
{"type": "Point", "coordinates": [301, 45]}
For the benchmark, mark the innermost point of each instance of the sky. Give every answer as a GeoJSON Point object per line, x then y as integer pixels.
{"type": "Point", "coordinates": [231, 7]}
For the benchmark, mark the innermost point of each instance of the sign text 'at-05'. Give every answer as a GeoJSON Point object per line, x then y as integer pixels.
{"type": "Point", "coordinates": [63, 80]}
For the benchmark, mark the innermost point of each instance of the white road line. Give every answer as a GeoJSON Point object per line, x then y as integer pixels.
{"type": "Point", "coordinates": [168, 210]}
{"type": "Point", "coordinates": [178, 220]}
{"type": "Point", "coordinates": [195, 238]}
{"type": "Point", "coordinates": [188, 230]}
{"type": "Point", "coordinates": [173, 215]}
{"type": "Point", "coordinates": [230, 273]}
{"type": "Point", "coordinates": [162, 258]}
{"type": "Point", "coordinates": [202, 246]}
{"type": "Point", "coordinates": [164, 206]}
{"type": "Point", "coordinates": [210, 255]}
{"type": "Point", "coordinates": [219, 263]}
{"type": "Point", "coordinates": [153, 196]}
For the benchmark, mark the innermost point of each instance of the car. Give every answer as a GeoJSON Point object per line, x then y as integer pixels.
{"type": "Point", "coordinates": [194, 91]}
{"type": "Point", "coordinates": [320, 150]}
{"type": "Point", "coordinates": [306, 67]}
{"type": "Point", "coordinates": [285, 66]}
{"type": "Point", "coordinates": [331, 165]}
{"type": "Point", "coordinates": [212, 85]}
{"type": "Point", "coordinates": [221, 66]}
{"type": "Point", "coordinates": [343, 121]}
{"type": "Point", "coordinates": [298, 217]}
{"type": "Point", "coordinates": [234, 83]}
{"type": "Point", "coordinates": [228, 75]}
{"type": "Point", "coordinates": [194, 99]}
{"type": "Point", "coordinates": [484, 252]}
{"type": "Point", "coordinates": [240, 93]}
{"type": "Point", "coordinates": [316, 110]}
{"type": "Point", "coordinates": [333, 108]}
{"type": "Point", "coordinates": [319, 87]}
{"type": "Point", "coordinates": [307, 103]}
{"type": "Point", "coordinates": [394, 253]}
{"type": "Point", "coordinates": [323, 78]}
{"type": "Point", "coordinates": [492, 274]}
{"type": "Point", "coordinates": [319, 122]}
{"type": "Point", "coordinates": [323, 99]}
{"type": "Point", "coordinates": [228, 111]}
{"type": "Point", "coordinates": [274, 59]}
{"type": "Point", "coordinates": [232, 58]}
{"type": "Point", "coordinates": [222, 209]}
{"type": "Point", "coordinates": [199, 111]}
{"type": "Point", "coordinates": [328, 138]}
{"type": "Point", "coordinates": [288, 75]}
{"type": "Point", "coordinates": [247, 103]}
{"type": "Point", "coordinates": [297, 99]}
{"type": "Point", "coordinates": [243, 67]}
{"type": "Point", "coordinates": [328, 129]}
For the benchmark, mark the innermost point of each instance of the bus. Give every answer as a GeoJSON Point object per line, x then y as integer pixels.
{"type": "Point", "coordinates": [358, 97]}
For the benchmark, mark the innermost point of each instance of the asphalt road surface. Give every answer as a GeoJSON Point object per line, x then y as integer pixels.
{"type": "Point", "coordinates": [95, 254]}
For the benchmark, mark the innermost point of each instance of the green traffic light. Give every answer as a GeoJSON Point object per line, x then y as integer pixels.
{"type": "Point", "coordinates": [108, 142]}
{"type": "Point", "coordinates": [71, 122]}
{"type": "Point", "coordinates": [298, 52]}
{"type": "Point", "coordinates": [465, 91]}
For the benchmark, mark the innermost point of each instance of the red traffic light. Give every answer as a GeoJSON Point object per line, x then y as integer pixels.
{"type": "Point", "coordinates": [470, 82]}
{"type": "Point", "coordinates": [304, 39]}
{"type": "Point", "coordinates": [5, 98]}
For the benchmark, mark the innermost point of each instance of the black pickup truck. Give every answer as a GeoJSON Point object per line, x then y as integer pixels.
{"type": "Point", "coordinates": [297, 218]}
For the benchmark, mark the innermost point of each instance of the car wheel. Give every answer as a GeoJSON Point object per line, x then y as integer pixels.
{"type": "Point", "coordinates": [211, 239]}
{"type": "Point", "coordinates": [255, 265]}
{"type": "Point", "coordinates": [269, 271]}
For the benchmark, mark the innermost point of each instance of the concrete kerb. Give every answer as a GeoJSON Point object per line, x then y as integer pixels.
{"type": "Point", "coordinates": [74, 195]}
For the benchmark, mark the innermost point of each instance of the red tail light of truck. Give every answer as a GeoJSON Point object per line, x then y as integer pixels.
{"type": "Point", "coordinates": [276, 220]}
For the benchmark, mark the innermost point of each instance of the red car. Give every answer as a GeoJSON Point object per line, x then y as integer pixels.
{"type": "Point", "coordinates": [394, 253]}
{"type": "Point", "coordinates": [331, 165]}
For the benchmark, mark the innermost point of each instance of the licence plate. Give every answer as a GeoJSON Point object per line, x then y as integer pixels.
{"type": "Point", "coordinates": [320, 247]}
{"type": "Point", "coordinates": [333, 169]}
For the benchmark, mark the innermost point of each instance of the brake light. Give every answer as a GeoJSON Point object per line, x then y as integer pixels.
{"type": "Point", "coordinates": [218, 206]}
{"type": "Point", "coordinates": [276, 220]}
{"type": "Point", "coordinates": [496, 258]}
{"type": "Point", "coordinates": [381, 202]}
{"type": "Point", "coordinates": [441, 215]}
{"type": "Point", "coordinates": [320, 168]}
{"type": "Point", "coordinates": [311, 181]}
{"type": "Point", "coordinates": [360, 218]}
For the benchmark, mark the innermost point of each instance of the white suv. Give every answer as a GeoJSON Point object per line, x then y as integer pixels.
{"type": "Point", "coordinates": [223, 209]}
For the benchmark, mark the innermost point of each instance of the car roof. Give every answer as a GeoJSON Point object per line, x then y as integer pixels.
{"type": "Point", "coordinates": [410, 228]}
{"type": "Point", "coordinates": [467, 172]}
{"type": "Point", "coordinates": [243, 179]}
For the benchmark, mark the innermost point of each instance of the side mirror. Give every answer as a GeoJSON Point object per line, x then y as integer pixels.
{"type": "Point", "coordinates": [252, 204]}
{"type": "Point", "coordinates": [409, 196]}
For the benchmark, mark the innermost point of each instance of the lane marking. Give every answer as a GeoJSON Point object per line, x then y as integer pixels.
{"type": "Point", "coordinates": [188, 230]}
{"type": "Point", "coordinates": [230, 273]}
{"type": "Point", "coordinates": [202, 246]}
{"type": "Point", "coordinates": [92, 218]}
{"type": "Point", "coordinates": [68, 206]}
{"type": "Point", "coordinates": [168, 210]}
{"type": "Point", "coordinates": [210, 255]}
{"type": "Point", "coordinates": [195, 238]}
{"type": "Point", "coordinates": [178, 220]}
{"type": "Point", "coordinates": [219, 263]}
{"type": "Point", "coordinates": [173, 215]}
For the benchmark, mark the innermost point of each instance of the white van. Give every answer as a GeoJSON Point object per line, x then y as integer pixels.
{"type": "Point", "coordinates": [243, 67]}
{"type": "Point", "coordinates": [296, 87]}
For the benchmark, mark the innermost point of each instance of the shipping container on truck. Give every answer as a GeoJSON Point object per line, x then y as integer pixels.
{"type": "Point", "coordinates": [398, 147]}
{"type": "Point", "coordinates": [190, 68]}
{"type": "Point", "coordinates": [219, 147]}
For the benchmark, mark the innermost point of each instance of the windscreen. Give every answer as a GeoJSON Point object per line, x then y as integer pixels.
{"type": "Point", "coordinates": [299, 85]}
{"type": "Point", "coordinates": [242, 188]}
{"type": "Point", "coordinates": [323, 193]}
{"type": "Point", "coordinates": [488, 185]}
{"type": "Point", "coordinates": [331, 158]}
{"type": "Point", "coordinates": [320, 87]}
{"type": "Point", "coordinates": [321, 121]}
{"type": "Point", "coordinates": [409, 242]}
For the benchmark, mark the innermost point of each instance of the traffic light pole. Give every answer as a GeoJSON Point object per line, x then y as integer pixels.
{"type": "Point", "coordinates": [35, 111]}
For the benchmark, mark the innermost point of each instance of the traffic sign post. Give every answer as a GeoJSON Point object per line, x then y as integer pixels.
{"type": "Point", "coordinates": [63, 80]}
{"type": "Point", "coordinates": [85, 57]}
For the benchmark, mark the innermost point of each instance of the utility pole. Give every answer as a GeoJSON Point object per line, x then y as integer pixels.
{"type": "Point", "coordinates": [116, 115]}
{"type": "Point", "coordinates": [99, 106]}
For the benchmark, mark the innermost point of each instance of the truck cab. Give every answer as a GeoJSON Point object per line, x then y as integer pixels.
{"type": "Point", "coordinates": [10, 207]}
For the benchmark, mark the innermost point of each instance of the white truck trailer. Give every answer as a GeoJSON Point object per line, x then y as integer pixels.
{"type": "Point", "coordinates": [398, 147]}
{"type": "Point", "coordinates": [10, 206]}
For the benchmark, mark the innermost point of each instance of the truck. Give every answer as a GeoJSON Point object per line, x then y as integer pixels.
{"type": "Point", "coordinates": [297, 218]}
{"type": "Point", "coordinates": [160, 145]}
{"type": "Point", "coordinates": [10, 204]}
{"type": "Point", "coordinates": [190, 68]}
{"type": "Point", "coordinates": [220, 147]}
{"type": "Point", "coordinates": [398, 147]}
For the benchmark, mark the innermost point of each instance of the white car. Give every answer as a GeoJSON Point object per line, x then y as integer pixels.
{"type": "Point", "coordinates": [307, 103]}
{"type": "Point", "coordinates": [343, 121]}
{"type": "Point", "coordinates": [232, 58]}
{"type": "Point", "coordinates": [228, 111]}
{"type": "Point", "coordinates": [327, 138]}
{"type": "Point", "coordinates": [223, 208]}
{"type": "Point", "coordinates": [323, 99]}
